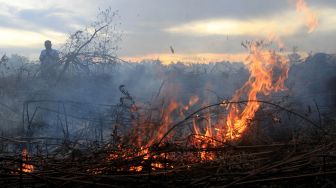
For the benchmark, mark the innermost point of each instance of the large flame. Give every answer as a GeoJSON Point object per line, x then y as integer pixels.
{"type": "Point", "coordinates": [311, 19]}
{"type": "Point", "coordinates": [268, 71]}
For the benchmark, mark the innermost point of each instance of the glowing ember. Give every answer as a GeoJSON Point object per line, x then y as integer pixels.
{"type": "Point", "coordinates": [136, 168]}
{"type": "Point", "coordinates": [26, 167]}
{"type": "Point", "coordinates": [157, 166]}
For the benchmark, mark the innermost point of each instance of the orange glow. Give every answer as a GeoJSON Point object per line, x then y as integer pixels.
{"type": "Point", "coordinates": [268, 71]}
{"type": "Point", "coordinates": [166, 122]}
{"type": "Point", "coordinates": [136, 168]}
{"type": "Point", "coordinates": [157, 166]}
{"type": "Point", "coordinates": [264, 79]}
{"type": "Point", "coordinates": [203, 138]}
{"type": "Point", "coordinates": [310, 16]}
{"type": "Point", "coordinates": [26, 167]}
{"type": "Point", "coordinates": [199, 58]}
{"type": "Point", "coordinates": [145, 153]}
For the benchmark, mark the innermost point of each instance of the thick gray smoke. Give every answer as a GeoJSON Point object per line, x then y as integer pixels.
{"type": "Point", "coordinates": [84, 105]}
{"type": "Point", "coordinates": [92, 96]}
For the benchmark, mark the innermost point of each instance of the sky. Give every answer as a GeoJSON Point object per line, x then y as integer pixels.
{"type": "Point", "coordinates": [196, 29]}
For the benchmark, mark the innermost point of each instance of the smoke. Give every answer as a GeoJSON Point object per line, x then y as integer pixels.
{"type": "Point", "coordinates": [84, 105]}
{"type": "Point", "coordinates": [87, 103]}
{"type": "Point", "coordinates": [86, 98]}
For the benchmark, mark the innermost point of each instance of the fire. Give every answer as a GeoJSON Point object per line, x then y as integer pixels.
{"type": "Point", "coordinates": [146, 156]}
{"type": "Point", "coordinates": [264, 67]}
{"type": "Point", "coordinates": [268, 71]}
{"type": "Point", "coordinates": [203, 140]}
{"type": "Point", "coordinates": [136, 168]}
{"type": "Point", "coordinates": [166, 121]}
{"type": "Point", "coordinates": [26, 167]}
{"type": "Point", "coordinates": [311, 19]}
{"type": "Point", "coordinates": [157, 165]}
{"type": "Point", "coordinates": [205, 155]}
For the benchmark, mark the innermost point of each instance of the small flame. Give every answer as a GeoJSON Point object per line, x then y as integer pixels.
{"type": "Point", "coordinates": [145, 153]}
{"type": "Point", "coordinates": [167, 115]}
{"type": "Point", "coordinates": [26, 167]}
{"type": "Point", "coordinates": [203, 140]}
{"type": "Point", "coordinates": [136, 168]}
{"type": "Point", "coordinates": [157, 166]}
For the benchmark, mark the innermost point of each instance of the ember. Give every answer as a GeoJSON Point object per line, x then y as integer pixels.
{"type": "Point", "coordinates": [25, 158]}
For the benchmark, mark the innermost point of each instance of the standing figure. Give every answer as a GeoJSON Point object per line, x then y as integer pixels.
{"type": "Point", "coordinates": [49, 59]}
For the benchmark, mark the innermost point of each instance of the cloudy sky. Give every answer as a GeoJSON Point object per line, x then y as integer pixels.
{"type": "Point", "coordinates": [196, 28]}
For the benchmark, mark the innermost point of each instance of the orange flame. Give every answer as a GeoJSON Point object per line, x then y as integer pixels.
{"type": "Point", "coordinates": [26, 167]}
{"type": "Point", "coordinates": [203, 138]}
{"type": "Point", "coordinates": [145, 153]}
{"type": "Point", "coordinates": [166, 122]}
{"type": "Point", "coordinates": [264, 67]}
{"type": "Point", "coordinates": [311, 19]}
{"type": "Point", "coordinates": [268, 72]}
{"type": "Point", "coordinates": [136, 168]}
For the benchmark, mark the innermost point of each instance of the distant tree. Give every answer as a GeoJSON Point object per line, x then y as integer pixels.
{"type": "Point", "coordinates": [97, 44]}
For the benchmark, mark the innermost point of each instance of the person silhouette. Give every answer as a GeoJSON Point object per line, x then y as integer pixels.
{"type": "Point", "coordinates": [49, 59]}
